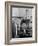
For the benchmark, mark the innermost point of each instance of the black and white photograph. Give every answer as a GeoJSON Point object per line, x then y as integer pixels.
{"type": "Point", "coordinates": [21, 22]}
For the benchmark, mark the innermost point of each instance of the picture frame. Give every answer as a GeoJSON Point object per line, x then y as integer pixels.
{"type": "Point", "coordinates": [9, 5]}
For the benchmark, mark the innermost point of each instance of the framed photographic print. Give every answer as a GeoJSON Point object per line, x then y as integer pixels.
{"type": "Point", "coordinates": [20, 22]}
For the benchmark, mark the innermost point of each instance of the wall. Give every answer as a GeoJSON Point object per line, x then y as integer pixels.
{"type": "Point", "coordinates": [2, 21]}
